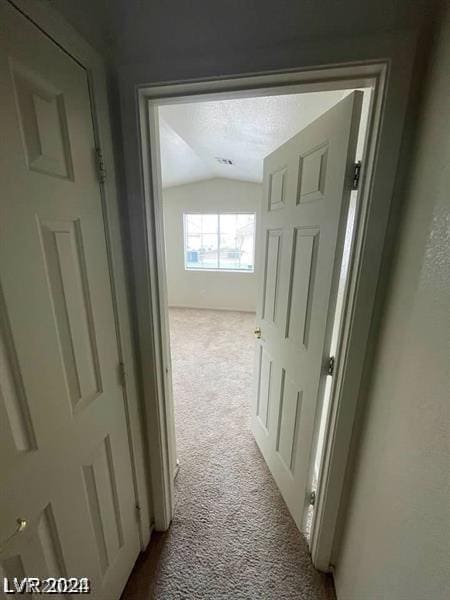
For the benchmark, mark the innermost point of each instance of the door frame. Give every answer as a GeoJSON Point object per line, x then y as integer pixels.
{"type": "Point", "coordinates": [390, 80]}
{"type": "Point", "coordinates": [55, 27]}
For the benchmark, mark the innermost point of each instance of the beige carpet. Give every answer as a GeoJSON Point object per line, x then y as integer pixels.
{"type": "Point", "coordinates": [232, 535]}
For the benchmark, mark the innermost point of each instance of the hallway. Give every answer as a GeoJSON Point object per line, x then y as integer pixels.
{"type": "Point", "coordinates": [232, 536]}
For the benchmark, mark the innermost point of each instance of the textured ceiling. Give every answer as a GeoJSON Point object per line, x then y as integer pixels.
{"type": "Point", "coordinates": [245, 130]}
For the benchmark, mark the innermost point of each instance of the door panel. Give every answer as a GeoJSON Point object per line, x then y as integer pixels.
{"type": "Point", "coordinates": [289, 416]}
{"type": "Point", "coordinates": [306, 190]}
{"type": "Point", "coordinates": [65, 459]}
{"type": "Point", "coordinates": [312, 175]}
{"type": "Point", "coordinates": [272, 275]}
{"type": "Point", "coordinates": [301, 287]}
{"type": "Point", "coordinates": [101, 488]}
{"type": "Point", "coordinates": [43, 121]}
{"type": "Point", "coordinates": [65, 265]}
{"type": "Point", "coordinates": [265, 373]}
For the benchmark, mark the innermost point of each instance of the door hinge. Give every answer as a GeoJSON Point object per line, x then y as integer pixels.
{"type": "Point", "coordinates": [121, 370]}
{"type": "Point", "coordinates": [312, 497]}
{"type": "Point", "coordinates": [356, 175]}
{"type": "Point", "coordinates": [100, 163]}
{"type": "Point", "coordinates": [330, 368]}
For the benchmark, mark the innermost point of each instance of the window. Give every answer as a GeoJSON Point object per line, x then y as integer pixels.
{"type": "Point", "coordinates": [219, 242]}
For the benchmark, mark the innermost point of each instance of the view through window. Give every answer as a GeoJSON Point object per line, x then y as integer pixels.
{"type": "Point", "coordinates": [219, 241]}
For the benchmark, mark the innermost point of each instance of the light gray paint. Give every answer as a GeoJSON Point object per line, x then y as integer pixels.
{"type": "Point", "coordinates": [176, 39]}
{"type": "Point", "coordinates": [207, 289]}
{"type": "Point", "coordinates": [155, 44]}
{"type": "Point", "coordinates": [396, 543]}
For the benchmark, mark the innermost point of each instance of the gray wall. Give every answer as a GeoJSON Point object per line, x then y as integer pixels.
{"type": "Point", "coordinates": [207, 289]}
{"type": "Point", "coordinates": [396, 542]}
{"type": "Point", "coordinates": [395, 545]}
{"type": "Point", "coordinates": [186, 38]}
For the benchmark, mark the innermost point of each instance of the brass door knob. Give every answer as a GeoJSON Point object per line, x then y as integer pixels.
{"type": "Point", "coordinates": [21, 525]}
{"type": "Point", "coordinates": [257, 332]}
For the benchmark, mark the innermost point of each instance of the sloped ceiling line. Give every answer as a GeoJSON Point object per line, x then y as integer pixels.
{"type": "Point", "coordinates": [245, 130]}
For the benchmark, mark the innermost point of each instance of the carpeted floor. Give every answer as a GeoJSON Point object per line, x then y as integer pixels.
{"type": "Point", "coordinates": [232, 536]}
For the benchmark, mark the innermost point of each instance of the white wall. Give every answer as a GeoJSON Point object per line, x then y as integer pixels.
{"type": "Point", "coordinates": [209, 289]}
{"type": "Point", "coordinates": [396, 543]}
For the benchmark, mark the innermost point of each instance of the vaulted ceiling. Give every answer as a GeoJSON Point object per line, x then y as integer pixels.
{"type": "Point", "coordinates": [197, 137]}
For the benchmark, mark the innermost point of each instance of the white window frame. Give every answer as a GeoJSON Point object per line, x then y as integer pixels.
{"type": "Point", "coordinates": [218, 214]}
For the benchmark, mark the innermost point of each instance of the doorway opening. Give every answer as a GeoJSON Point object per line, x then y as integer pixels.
{"type": "Point", "coordinates": [215, 267]}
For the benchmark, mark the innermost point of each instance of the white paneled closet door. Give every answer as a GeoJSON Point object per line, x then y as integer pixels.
{"type": "Point", "coordinates": [64, 452]}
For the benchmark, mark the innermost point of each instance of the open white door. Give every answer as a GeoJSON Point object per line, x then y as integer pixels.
{"type": "Point", "coordinates": [64, 454]}
{"type": "Point", "coordinates": [306, 188]}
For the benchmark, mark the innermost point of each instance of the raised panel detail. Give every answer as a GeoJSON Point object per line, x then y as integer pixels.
{"type": "Point", "coordinates": [43, 122]}
{"type": "Point", "coordinates": [288, 421]}
{"type": "Point", "coordinates": [101, 488]}
{"type": "Point", "coordinates": [50, 544]}
{"type": "Point", "coordinates": [277, 189]}
{"type": "Point", "coordinates": [62, 244]}
{"type": "Point", "coordinates": [312, 175]}
{"type": "Point", "coordinates": [12, 567]}
{"type": "Point", "coordinates": [265, 376]}
{"type": "Point", "coordinates": [272, 270]}
{"type": "Point", "coordinates": [12, 391]}
{"type": "Point", "coordinates": [301, 286]}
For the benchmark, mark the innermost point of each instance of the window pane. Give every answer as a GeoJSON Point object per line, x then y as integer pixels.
{"type": "Point", "coordinates": [208, 251]}
{"type": "Point", "coordinates": [193, 242]}
{"type": "Point", "coordinates": [209, 224]}
{"type": "Point", "coordinates": [237, 241]}
{"type": "Point", "coordinates": [209, 241]}
{"type": "Point", "coordinates": [201, 241]}
{"type": "Point", "coordinates": [228, 223]}
{"type": "Point", "coordinates": [193, 223]}
{"type": "Point", "coordinates": [244, 220]}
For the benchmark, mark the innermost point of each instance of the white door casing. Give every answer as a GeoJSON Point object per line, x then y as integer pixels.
{"type": "Point", "coordinates": [306, 188]}
{"type": "Point", "coordinates": [65, 460]}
